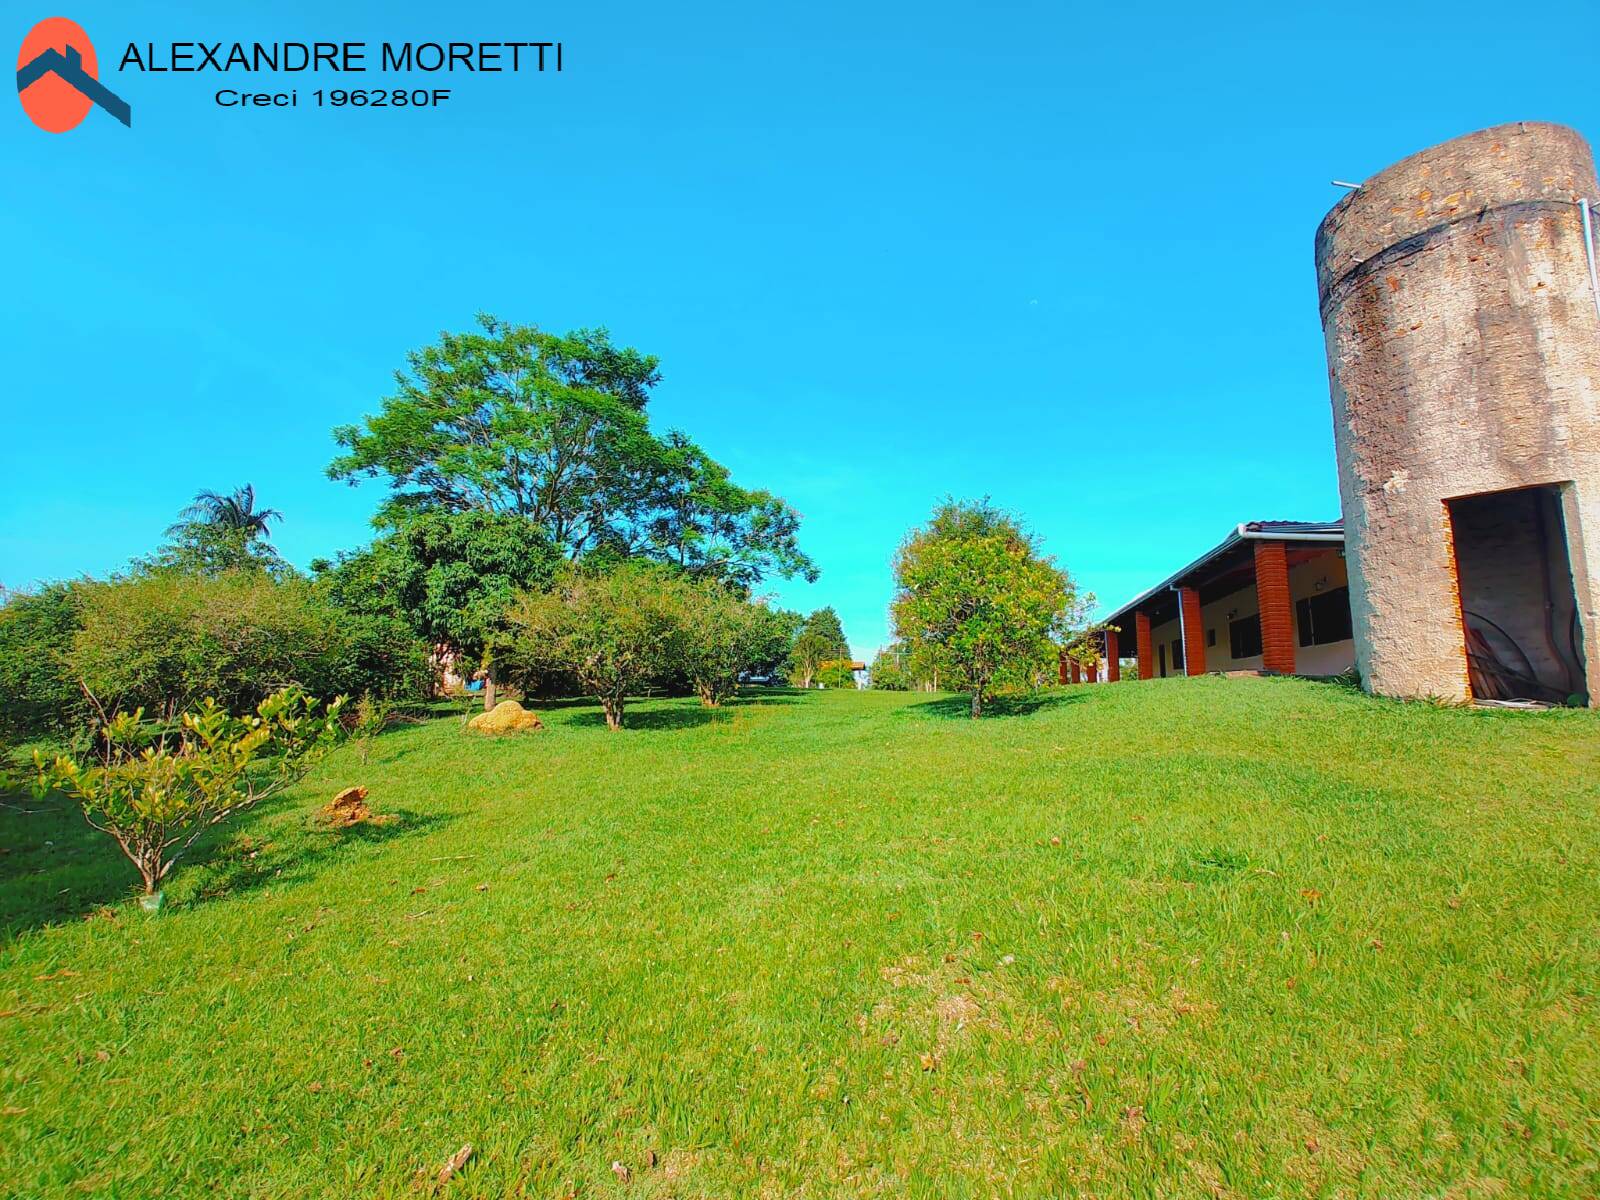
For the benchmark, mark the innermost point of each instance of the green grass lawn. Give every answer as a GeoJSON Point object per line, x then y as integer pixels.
{"type": "Point", "coordinates": [1214, 937]}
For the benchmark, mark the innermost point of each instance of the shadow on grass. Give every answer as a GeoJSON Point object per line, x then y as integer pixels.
{"type": "Point", "coordinates": [653, 718]}
{"type": "Point", "coordinates": [953, 708]}
{"type": "Point", "coordinates": [667, 712]}
{"type": "Point", "coordinates": [54, 868]}
{"type": "Point", "coordinates": [248, 860]}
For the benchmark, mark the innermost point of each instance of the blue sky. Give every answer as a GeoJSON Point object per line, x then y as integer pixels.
{"type": "Point", "coordinates": [1058, 255]}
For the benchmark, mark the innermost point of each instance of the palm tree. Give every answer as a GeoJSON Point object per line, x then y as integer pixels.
{"type": "Point", "coordinates": [235, 511]}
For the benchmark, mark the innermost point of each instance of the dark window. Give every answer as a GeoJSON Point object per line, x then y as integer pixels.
{"type": "Point", "coordinates": [1211, 637]}
{"type": "Point", "coordinates": [1161, 657]}
{"type": "Point", "coordinates": [1177, 656]}
{"type": "Point", "coordinates": [1244, 637]}
{"type": "Point", "coordinates": [1324, 618]}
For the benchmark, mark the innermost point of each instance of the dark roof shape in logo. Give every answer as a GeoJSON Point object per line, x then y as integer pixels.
{"type": "Point", "coordinates": [69, 66]}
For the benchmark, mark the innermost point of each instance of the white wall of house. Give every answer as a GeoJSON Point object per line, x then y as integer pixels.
{"type": "Point", "coordinates": [1323, 573]}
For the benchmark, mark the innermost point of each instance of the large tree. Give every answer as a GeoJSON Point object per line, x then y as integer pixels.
{"type": "Point", "coordinates": [682, 507]}
{"type": "Point", "coordinates": [977, 600]}
{"type": "Point", "coordinates": [511, 420]}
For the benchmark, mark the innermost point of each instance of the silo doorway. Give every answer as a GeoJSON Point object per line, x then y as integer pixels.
{"type": "Point", "coordinates": [1518, 606]}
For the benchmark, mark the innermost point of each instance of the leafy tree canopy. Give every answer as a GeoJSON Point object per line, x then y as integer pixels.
{"type": "Point", "coordinates": [450, 576]}
{"type": "Point", "coordinates": [820, 640]}
{"type": "Point", "coordinates": [220, 532]}
{"type": "Point", "coordinates": [977, 601]}
{"type": "Point", "coordinates": [612, 630]}
{"type": "Point", "coordinates": [233, 510]}
{"type": "Point", "coordinates": [511, 420]}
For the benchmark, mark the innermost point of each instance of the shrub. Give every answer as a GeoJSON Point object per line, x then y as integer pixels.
{"type": "Point", "coordinates": [162, 641]}
{"type": "Point", "coordinates": [39, 696]}
{"type": "Point", "coordinates": [613, 630]}
{"type": "Point", "coordinates": [900, 668]}
{"type": "Point", "coordinates": [836, 673]}
{"type": "Point", "coordinates": [370, 716]}
{"type": "Point", "coordinates": [156, 788]}
{"type": "Point", "coordinates": [721, 637]}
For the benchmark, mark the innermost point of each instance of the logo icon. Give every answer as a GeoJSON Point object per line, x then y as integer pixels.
{"type": "Point", "coordinates": [57, 78]}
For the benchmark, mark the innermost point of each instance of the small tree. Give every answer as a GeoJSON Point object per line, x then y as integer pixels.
{"type": "Point", "coordinates": [820, 640]}
{"type": "Point", "coordinates": [613, 630]}
{"type": "Point", "coordinates": [371, 715]}
{"type": "Point", "coordinates": [975, 594]}
{"type": "Point", "coordinates": [156, 790]}
{"type": "Point", "coordinates": [722, 637]}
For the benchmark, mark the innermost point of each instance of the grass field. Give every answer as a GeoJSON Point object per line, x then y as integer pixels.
{"type": "Point", "coordinates": [1213, 937]}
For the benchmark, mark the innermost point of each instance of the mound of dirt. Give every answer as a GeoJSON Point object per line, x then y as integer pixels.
{"type": "Point", "coordinates": [348, 808]}
{"type": "Point", "coordinates": [507, 717]}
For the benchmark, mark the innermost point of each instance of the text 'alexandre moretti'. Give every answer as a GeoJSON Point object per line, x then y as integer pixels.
{"type": "Point", "coordinates": [342, 56]}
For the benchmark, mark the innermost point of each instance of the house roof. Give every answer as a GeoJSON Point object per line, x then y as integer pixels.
{"type": "Point", "coordinates": [1288, 531]}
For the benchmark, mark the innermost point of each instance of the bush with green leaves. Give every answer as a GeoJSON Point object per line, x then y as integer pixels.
{"type": "Point", "coordinates": [981, 604]}
{"type": "Point", "coordinates": [722, 636]}
{"type": "Point", "coordinates": [39, 697]}
{"type": "Point", "coordinates": [449, 577]}
{"type": "Point", "coordinates": [164, 640]}
{"type": "Point", "coordinates": [902, 668]}
{"type": "Point", "coordinates": [157, 786]}
{"type": "Point", "coordinates": [613, 630]}
{"type": "Point", "coordinates": [836, 673]}
{"type": "Point", "coordinates": [820, 640]}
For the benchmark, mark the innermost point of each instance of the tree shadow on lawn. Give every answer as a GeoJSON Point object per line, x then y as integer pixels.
{"type": "Point", "coordinates": [641, 719]}
{"type": "Point", "coordinates": [54, 868]}
{"type": "Point", "coordinates": [678, 712]}
{"type": "Point", "coordinates": [954, 708]}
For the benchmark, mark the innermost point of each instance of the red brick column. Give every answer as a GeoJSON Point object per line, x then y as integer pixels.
{"type": "Point", "coordinates": [1277, 610]}
{"type": "Point", "coordinates": [1073, 666]}
{"type": "Point", "coordinates": [1061, 666]}
{"type": "Point", "coordinates": [1142, 646]}
{"type": "Point", "coordinates": [1194, 635]}
{"type": "Point", "coordinates": [1113, 668]}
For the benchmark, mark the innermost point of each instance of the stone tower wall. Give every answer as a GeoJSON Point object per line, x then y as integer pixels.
{"type": "Point", "coordinates": [1464, 357]}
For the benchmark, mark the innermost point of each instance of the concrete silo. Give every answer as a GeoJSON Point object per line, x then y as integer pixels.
{"type": "Point", "coordinates": [1462, 322]}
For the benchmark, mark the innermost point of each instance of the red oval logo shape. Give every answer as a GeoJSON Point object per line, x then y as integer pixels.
{"type": "Point", "coordinates": [52, 103]}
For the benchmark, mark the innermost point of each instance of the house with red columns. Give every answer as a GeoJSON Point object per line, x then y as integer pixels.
{"type": "Point", "coordinates": [1272, 596]}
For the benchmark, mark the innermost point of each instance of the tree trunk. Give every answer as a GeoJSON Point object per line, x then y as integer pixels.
{"type": "Point", "coordinates": [488, 689]}
{"type": "Point", "coordinates": [977, 704]}
{"type": "Point", "coordinates": [149, 865]}
{"type": "Point", "coordinates": [613, 711]}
